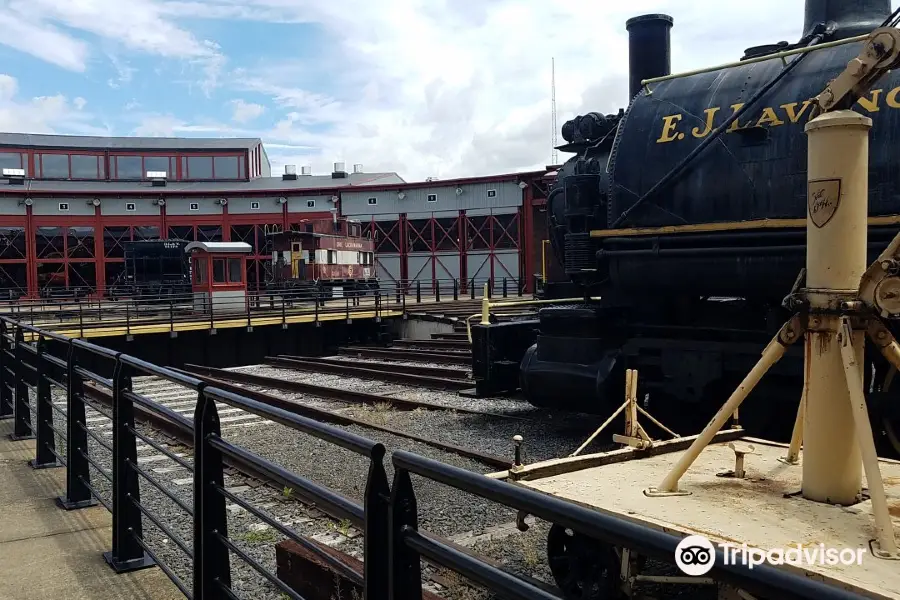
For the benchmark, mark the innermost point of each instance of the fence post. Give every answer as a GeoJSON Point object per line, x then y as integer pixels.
{"type": "Point", "coordinates": [127, 554]}
{"type": "Point", "coordinates": [376, 563]}
{"type": "Point", "coordinates": [437, 290]}
{"type": "Point", "coordinates": [455, 289]}
{"type": "Point", "coordinates": [405, 572]}
{"type": "Point", "coordinates": [490, 287]}
{"type": "Point", "coordinates": [171, 315]}
{"type": "Point", "coordinates": [77, 474]}
{"type": "Point", "coordinates": [22, 429]}
{"type": "Point", "coordinates": [472, 288]}
{"type": "Point", "coordinates": [6, 401]}
{"type": "Point", "coordinates": [418, 291]}
{"type": "Point", "coordinates": [504, 287]}
{"type": "Point", "coordinates": [519, 286]}
{"type": "Point", "coordinates": [211, 558]}
{"type": "Point", "coordinates": [45, 440]}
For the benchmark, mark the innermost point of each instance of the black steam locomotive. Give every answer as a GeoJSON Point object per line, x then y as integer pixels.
{"type": "Point", "coordinates": [685, 214]}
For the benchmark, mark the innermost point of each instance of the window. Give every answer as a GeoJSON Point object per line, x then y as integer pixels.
{"type": "Point", "coordinates": [200, 270]}
{"type": "Point", "coordinates": [226, 167]}
{"type": "Point", "coordinates": [130, 206]}
{"type": "Point", "coordinates": [128, 167]}
{"type": "Point", "coordinates": [492, 193]}
{"type": "Point", "coordinates": [241, 172]}
{"type": "Point", "coordinates": [332, 257]}
{"type": "Point", "coordinates": [254, 206]}
{"type": "Point", "coordinates": [234, 270]}
{"type": "Point", "coordinates": [84, 166]}
{"type": "Point", "coordinates": [432, 197]}
{"type": "Point", "coordinates": [200, 167]}
{"type": "Point", "coordinates": [63, 206]}
{"type": "Point", "coordinates": [54, 166]}
{"type": "Point", "coordinates": [373, 201]}
{"type": "Point", "coordinates": [218, 270]}
{"type": "Point", "coordinates": [13, 160]}
{"type": "Point", "coordinates": [157, 163]}
{"type": "Point", "coordinates": [195, 206]}
{"type": "Point", "coordinates": [310, 204]}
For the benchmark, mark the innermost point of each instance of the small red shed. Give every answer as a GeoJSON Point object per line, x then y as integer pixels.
{"type": "Point", "coordinates": [219, 275]}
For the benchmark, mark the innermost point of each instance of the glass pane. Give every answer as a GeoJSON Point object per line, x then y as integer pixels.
{"type": "Point", "coordinates": [219, 270]}
{"type": "Point", "coordinates": [129, 167]}
{"type": "Point", "coordinates": [157, 163]}
{"type": "Point", "coordinates": [84, 167]}
{"type": "Point", "coordinates": [10, 160]}
{"type": "Point", "coordinates": [55, 166]}
{"type": "Point", "coordinates": [234, 270]}
{"type": "Point", "coordinates": [226, 167]}
{"type": "Point", "coordinates": [102, 170]}
{"type": "Point", "coordinates": [199, 167]}
{"type": "Point", "coordinates": [200, 270]}
{"type": "Point", "coordinates": [241, 173]}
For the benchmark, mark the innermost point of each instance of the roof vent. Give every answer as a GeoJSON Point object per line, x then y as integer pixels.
{"type": "Point", "coordinates": [14, 176]}
{"type": "Point", "coordinates": [290, 172]}
{"type": "Point", "coordinates": [339, 172]}
{"type": "Point", "coordinates": [306, 170]}
{"type": "Point", "coordinates": [357, 168]}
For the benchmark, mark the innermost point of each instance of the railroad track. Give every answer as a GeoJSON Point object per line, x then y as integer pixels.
{"type": "Point", "coordinates": [429, 377]}
{"type": "Point", "coordinates": [409, 354]}
{"type": "Point", "coordinates": [452, 515]}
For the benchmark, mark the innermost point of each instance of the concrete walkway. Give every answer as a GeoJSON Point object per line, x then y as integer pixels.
{"type": "Point", "coordinates": [47, 553]}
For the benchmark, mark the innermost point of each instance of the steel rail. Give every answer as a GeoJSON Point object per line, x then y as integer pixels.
{"type": "Point", "coordinates": [380, 373]}
{"type": "Point", "coordinates": [330, 393]}
{"type": "Point", "coordinates": [441, 358]}
{"type": "Point", "coordinates": [327, 416]}
{"type": "Point", "coordinates": [445, 372]}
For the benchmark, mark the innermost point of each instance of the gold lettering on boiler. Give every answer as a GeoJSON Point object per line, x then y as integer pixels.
{"type": "Point", "coordinates": [768, 116]}
{"type": "Point", "coordinates": [824, 197]}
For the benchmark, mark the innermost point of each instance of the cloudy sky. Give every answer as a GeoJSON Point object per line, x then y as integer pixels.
{"type": "Point", "coordinates": [422, 87]}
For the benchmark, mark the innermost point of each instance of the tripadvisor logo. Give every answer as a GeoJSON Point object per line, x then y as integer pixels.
{"type": "Point", "coordinates": [695, 555]}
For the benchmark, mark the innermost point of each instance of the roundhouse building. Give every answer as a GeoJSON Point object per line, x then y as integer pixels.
{"type": "Point", "coordinates": [67, 204]}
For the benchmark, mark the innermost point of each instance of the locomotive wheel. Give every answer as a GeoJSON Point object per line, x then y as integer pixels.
{"type": "Point", "coordinates": [584, 569]}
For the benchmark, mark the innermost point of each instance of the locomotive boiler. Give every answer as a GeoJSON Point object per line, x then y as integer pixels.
{"type": "Point", "coordinates": [686, 214]}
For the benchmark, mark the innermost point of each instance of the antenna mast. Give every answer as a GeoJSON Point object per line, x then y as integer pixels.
{"type": "Point", "coordinates": [553, 109]}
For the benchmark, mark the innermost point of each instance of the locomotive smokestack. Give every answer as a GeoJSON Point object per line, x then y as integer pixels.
{"type": "Point", "coordinates": [853, 17]}
{"type": "Point", "coordinates": [649, 49]}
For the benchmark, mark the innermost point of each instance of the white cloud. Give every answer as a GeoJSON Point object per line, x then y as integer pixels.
{"type": "Point", "coordinates": [452, 89]}
{"type": "Point", "coordinates": [138, 25]}
{"type": "Point", "coordinates": [43, 114]}
{"type": "Point", "coordinates": [242, 112]}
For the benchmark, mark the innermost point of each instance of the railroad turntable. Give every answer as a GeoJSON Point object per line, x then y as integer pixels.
{"type": "Point", "coordinates": [825, 505]}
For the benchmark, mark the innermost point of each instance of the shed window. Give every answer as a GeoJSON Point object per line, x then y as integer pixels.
{"type": "Point", "coordinates": [200, 270]}
{"type": "Point", "coordinates": [234, 270]}
{"type": "Point", "coordinates": [85, 166]}
{"type": "Point", "coordinates": [130, 206]}
{"type": "Point", "coordinates": [63, 206]}
{"type": "Point", "coordinates": [332, 257]}
{"type": "Point", "coordinates": [195, 206]}
{"type": "Point", "coordinates": [55, 166]}
{"type": "Point", "coordinates": [226, 167]}
{"type": "Point", "coordinates": [219, 270]}
{"type": "Point", "coordinates": [200, 167]}
{"type": "Point", "coordinates": [129, 167]}
{"type": "Point", "coordinates": [492, 193]}
{"type": "Point", "coordinates": [432, 197]}
{"type": "Point", "coordinates": [254, 206]}
{"type": "Point", "coordinates": [12, 160]}
{"type": "Point", "coordinates": [373, 201]}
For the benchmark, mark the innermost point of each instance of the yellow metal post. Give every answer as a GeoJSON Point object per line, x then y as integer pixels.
{"type": "Point", "coordinates": [836, 236]}
{"type": "Point", "coordinates": [485, 307]}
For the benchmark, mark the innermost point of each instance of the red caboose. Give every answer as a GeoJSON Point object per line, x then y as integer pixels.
{"type": "Point", "coordinates": [325, 254]}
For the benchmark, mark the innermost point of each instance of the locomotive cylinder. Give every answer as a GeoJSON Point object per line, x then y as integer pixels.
{"type": "Point", "coordinates": [649, 49]}
{"type": "Point", "coordinates": [836, 233]}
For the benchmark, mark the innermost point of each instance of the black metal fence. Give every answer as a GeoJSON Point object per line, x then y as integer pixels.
{"type": "Point", "coordinates": [36, 360]}
{"type": "Point", "coordinates": [275, 305]}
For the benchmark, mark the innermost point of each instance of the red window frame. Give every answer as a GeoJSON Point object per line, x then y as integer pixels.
{"type": "Point", "coordinates": [38, 163]}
